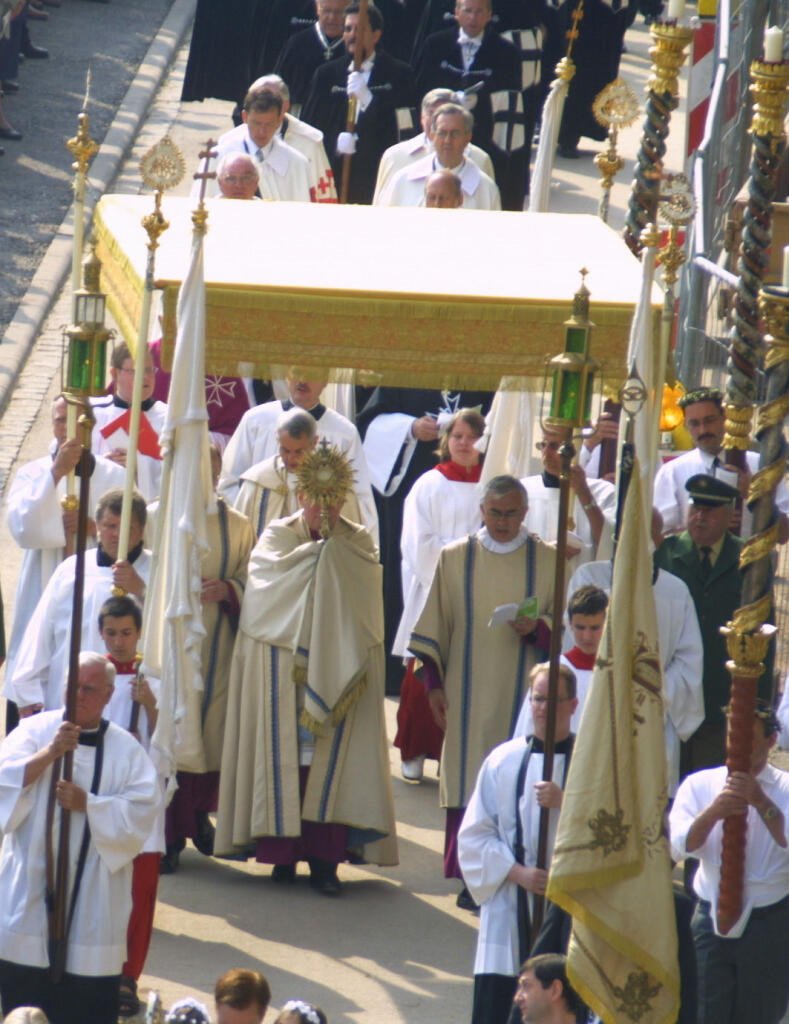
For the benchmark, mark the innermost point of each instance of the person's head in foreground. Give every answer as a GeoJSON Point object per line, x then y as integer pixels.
{"type": "Point", "coordinates": [26, 1015]}
{"type": "Point", "coordinates": [296, 1011]}
{"type": "Point", "coordinates": [545, 995]}
{"type": "Point", "coordinates": [241, 996]}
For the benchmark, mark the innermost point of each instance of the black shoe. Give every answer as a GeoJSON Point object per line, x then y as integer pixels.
{"type": "Point", "coordinates": [10, 134]}
{"type": "Point", "coordinates": [204, 840]}
{"type": "Point", "coordinates": [283, 874]}
{"type": "Point", "coordinates": [9, 86]}
{"type": "Point", "coordinates": [568, 152]}
{"type": "Point", "coordinates": [35, 52]}
{"type": "Point", "coordinates": [466, 901]}
{"type": "Point", "coordinates": [323, 877]}
{"type": "Point", "coordinates": [168, 865]}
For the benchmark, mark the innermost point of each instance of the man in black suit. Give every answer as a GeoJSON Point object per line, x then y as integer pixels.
{"type": "Point", "coordinates": [309, 49]}
{"type": "Point", "coordinates": [383, 87]}
{"type": "Point", "coordinates": [475, 59]}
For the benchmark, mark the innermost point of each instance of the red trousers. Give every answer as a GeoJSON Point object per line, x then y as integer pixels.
{"type": "Point", "coordinates": [145, 882]}
{"type": "Point", "coordinates": [417, 732]}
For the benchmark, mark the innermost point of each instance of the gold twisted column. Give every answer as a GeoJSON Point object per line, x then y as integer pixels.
{"type": "Point", "coordinates": [748, 635]}
{"type": "Point", "coordinates": [668, 55]}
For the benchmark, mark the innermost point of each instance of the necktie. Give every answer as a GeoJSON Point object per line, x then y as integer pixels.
{"type": "Point", "coordinates": [259, 155]}
{"type": "Point", "coordinates": [469, 53]}
{"type": "Point", "coordinates": [706, 562]}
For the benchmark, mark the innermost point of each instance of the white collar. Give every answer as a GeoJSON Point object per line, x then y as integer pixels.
{"type": "Point", "coordinates": [502, 548]}
{"type": "Point", "coordinates": [475, 40]}
{"type": "Point", "coordinates": [367, 66]}
{"type": "Point", "coordinates": [419, 142]}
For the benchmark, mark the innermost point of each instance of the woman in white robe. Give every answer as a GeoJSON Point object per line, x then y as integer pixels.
{"type": "Point", "coordinates": [442, 506]}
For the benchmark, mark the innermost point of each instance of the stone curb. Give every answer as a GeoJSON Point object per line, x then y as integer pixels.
{"type": "Point", "coordinates": [55, 266]}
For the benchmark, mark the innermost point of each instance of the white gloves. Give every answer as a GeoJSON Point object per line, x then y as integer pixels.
{"type": "Point", "coordinates": [346, 143]}
{"type": "Point", "coordinates": [358, 87]}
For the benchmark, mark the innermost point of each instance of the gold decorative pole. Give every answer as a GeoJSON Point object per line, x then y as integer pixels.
{"type": "Point", "coordinates": [676, 208]}
{"type": "Point", "coordinates": [161, 168]}
{"type": "Point", "coordinates": [615, 107]}
{"type": "Point", "coordinates": [83, 148]}
{"type": "Point", "coordinates": [668, 55]}
{"type": "Point", "coordinates": [748, 635]}
{"type": "Point", "coordinates": [769, 84]}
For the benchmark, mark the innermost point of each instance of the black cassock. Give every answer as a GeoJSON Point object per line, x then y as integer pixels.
{"type": "Point", "coordinates": [496, 69]}
{"type": "Point", "coordinates": [596, 55]}
{"type": "Point", "coordinates": [392, 85]}
{"type": "Point", "coordinates": [220, 63]}
{"type": "Point", "coordinates": [414, 402]}
{"type": "Point", "coordinates": [303, 54]}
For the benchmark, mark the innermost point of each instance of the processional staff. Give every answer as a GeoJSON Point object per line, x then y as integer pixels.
{"type": "Point", "coordinates": [361, 51]}
{"type": "Point", "coordinates": [83, 148]}
{"type": "Point", "coordinates": [748, 636]}
{"type": "Point", "coordinates": [85, 377]}
{"type": "Point", "coordinates": [571, 398]}
{"type": "Point", "coordinates": [161, 168]}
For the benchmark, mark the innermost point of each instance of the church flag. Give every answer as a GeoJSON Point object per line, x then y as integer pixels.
{"type": "Point", "coordinates": [611, 868]}
{"type": "Point", "coordinates": [173, 627]}
{"type": "Point", "coordinates": [540, 194]}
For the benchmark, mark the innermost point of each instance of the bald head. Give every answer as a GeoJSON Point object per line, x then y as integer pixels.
{"type": "Point", "coordinates": [443, 190]}
{"type": "Point", "coordinates": [237, 175]}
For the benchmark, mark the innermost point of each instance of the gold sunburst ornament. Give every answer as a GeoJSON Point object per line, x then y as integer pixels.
{"type": "Point", "coordinates": [163, 166]}
{"type": "Point", "coordinates": [616, 106]}
{"type": "Point", "coordinates": [324, 478]}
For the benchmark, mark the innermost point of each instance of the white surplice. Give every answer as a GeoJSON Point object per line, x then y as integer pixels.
{"type": "Point", "coordinates": [486, 844]}
{"type": "Point", "coordinates": [35, 521]}
{"type": "Point", "coordinates": [149, 469]}
{"type": "Point", "coordinates": [120, 816]}
{"type": "Point", "coordinates": [42, 660]}
{"type": "Point", "coordinates": [436, 512]}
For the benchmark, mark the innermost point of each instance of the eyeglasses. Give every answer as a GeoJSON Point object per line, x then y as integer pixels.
{"type": "Point", "coordinates": [514, 513]}
{"type": "Point", "coordinates": [451, 133]}
{"type": "Point", "coordinates": [149, 371]}
{"type": "Point", "coordinates": [551, 446]}
{"type": "Point", "coordinates": [237, 179]}
{"type": "Point", "coordinates": [544, 700]}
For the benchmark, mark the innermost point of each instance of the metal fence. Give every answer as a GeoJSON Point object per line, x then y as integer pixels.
{"type": "Point", "coordinates": [719, 171]}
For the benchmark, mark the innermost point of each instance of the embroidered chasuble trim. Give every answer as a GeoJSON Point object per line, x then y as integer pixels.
{"type": "Point", "coordinates": [337, 714]}
{"type": "Point", "coordinates": [276, 745]}
{"type": "Point", "coordinates": [210, 675]}
{"type": "Point", "coordinates": [531, 558]}
{"type": "Point", "coordinates": [331, 771]}
{"type": "Point", "coordinates": [465, 699]}
{"type": "Point", "coordinates": [262, 512]}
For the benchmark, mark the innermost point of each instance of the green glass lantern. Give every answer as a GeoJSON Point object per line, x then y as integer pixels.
{"type": "Point", "coordinates": [573, 371]}
{"type": "Point", "coordinates": [86, 361]}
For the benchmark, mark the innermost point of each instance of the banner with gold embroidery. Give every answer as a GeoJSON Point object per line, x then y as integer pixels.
{"type": "Point", "coordinates": [611, 869]}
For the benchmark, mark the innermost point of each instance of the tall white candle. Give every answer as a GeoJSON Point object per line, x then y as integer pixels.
{"type": "Point", "coordinates": [785, 275]}
{"type": "Point", "coordinates": [676, 8]}
{"type": "Point", "coordinates": [773, 45]}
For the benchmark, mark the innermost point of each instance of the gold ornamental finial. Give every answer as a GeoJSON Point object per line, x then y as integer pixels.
{"type": "Point", "coordinates": [324, 478]}
{"type": "Point", "coordinates": [581, 298]}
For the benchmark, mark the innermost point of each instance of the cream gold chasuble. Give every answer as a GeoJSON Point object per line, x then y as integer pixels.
{"type": "Point", "coordinates": [309, 650]}
{"type": "Point", "coordinates": [484, 668]}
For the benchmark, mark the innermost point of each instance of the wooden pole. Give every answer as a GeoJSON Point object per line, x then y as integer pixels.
{"type": "Point", "coordinates": [58, 922]}
{"type": "Point", "coordinates": [566, 454]}
{"type": "Point", "coordinates": [361, 52]}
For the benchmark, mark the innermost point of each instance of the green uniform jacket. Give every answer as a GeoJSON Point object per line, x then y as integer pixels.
{"type": "Point", "coordinates": [715, 599]}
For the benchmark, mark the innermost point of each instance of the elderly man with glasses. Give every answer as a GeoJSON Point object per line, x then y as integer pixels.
{"type": "Point", "coordinates": [486, 616]}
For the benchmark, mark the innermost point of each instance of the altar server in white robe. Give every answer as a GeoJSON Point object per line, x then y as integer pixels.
{"type": "Point", "coordinates": [113, 415]}
{"type": "Point", "coordinates": [255, 439]}
{"type": "Point", "coordinates": [497, 847]}
{"type": "Point", "coordinates": [42, 660]}
{"type": "Point", "coordinates": [115, 812]}
{"type": "Point", "coordinates": [442, 506]}
{"type": "Point", "coordinates": [38, 523]}
{"type": "Point", "coordinates": [681, 655]}
{"type": "Point", "coordinates": [592, 505]}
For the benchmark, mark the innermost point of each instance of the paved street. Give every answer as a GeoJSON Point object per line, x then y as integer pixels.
{"type": "Point", "coordinates": [393, 947]}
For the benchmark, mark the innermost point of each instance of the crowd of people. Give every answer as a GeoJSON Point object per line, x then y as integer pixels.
{"type": "Point", "coordinates": [282, 757]}
{"type": "Point", "coordinates": [365, 552]}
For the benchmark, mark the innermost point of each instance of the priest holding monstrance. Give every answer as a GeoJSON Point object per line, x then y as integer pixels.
{"type": "Point", "coordinates": [305, 770]}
